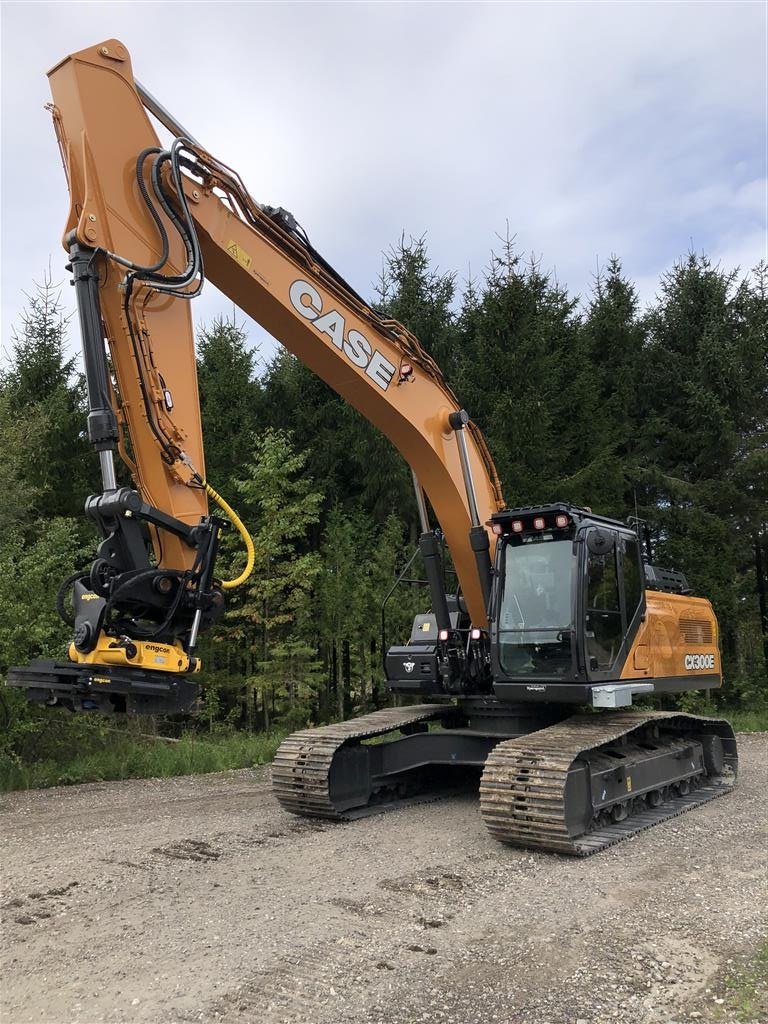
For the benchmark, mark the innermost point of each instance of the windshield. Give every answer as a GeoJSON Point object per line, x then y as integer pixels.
{"type": "Point", "coordinates": [536, 614]}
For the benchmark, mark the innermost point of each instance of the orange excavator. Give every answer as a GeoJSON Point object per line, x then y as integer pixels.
{"type": "Point", "coordinates": [527, 674]}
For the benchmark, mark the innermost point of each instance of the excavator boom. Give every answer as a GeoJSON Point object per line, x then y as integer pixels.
{"type": "Point", "coordinates": [264, 263]}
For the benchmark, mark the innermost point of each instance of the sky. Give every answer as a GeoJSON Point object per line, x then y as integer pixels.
{"type": "Point", "coordinates": [590, 129]}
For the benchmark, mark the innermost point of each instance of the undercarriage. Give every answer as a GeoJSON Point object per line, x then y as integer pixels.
{"type": "Point", "coordinates": [548, 779]}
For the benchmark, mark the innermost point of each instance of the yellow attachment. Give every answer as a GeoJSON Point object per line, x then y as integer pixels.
{"type": "Point", "coordinates": [238, 524]}
{"type": "Point", "coordinates": [146, 654]}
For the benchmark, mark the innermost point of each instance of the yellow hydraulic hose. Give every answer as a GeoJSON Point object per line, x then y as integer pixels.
{"type": "Point", "coordinates": [238, 524]}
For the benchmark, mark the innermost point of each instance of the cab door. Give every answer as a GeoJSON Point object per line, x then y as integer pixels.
{"type": "Point", "coordinates": [603, 629]}
{"type": "Point", "coordinates": [613, 601]}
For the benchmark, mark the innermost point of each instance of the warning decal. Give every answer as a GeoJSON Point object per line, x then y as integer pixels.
{"type": "Point", "coordinates": [239, 254]}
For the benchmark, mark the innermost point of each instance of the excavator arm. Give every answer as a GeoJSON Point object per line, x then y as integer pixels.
{"type": "Point", "coordinates": [146, 226]}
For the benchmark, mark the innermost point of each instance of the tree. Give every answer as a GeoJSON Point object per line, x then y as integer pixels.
{"type": "Point", "coordinates": [269, 619]}
{"type": "Point", "coordinates": [42, 391]}
{"type": "Point", "coordinates": [520, 378]}
{"type": "Point", "coordinates": [610, 346]}
{"type": "Point", "coordinates": [30, 572]}
{"type": "Point", "coordinates": [703, 435]}
{"type": "Point", "coordinates": [229, 399]}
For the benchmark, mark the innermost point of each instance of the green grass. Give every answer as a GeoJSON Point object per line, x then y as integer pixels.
{"type": "Point", "coordinates": [747, 721]}
{"type": "Point", "coordinates": [121, 755]}
{"type": "Point", "coordinates": [743, 992]}
{"type": "Point", "coordinates": [127, 757]}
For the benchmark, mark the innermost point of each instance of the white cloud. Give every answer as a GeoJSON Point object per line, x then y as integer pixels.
{"type": "Point", "coordinates": [593, 129]}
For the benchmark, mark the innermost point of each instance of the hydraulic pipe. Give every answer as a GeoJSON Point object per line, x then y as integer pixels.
{"type": "Point", "coordinates": [165, 118]}
{"type": "Point", "coordinates": [458, 420]}
{"type": "Point", "coordinates": [421, 504]}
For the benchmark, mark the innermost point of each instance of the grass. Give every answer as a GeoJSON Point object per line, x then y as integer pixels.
{"type": "Point", "coordinates": [129, 757]}
{"type": "Point", "coordinates": [747, 721]}
{"type": "Point", "coordinates": [125, 756]}
{"type": "Point", "coordinates": [743, 993]}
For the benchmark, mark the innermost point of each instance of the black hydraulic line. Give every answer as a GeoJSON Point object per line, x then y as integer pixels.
{"type": "Point", "coordinates": [150, 151]}
{"type": "Point", "coordinates": [162, 439]}
{"type": "Point", "coordinates": [186, 230]}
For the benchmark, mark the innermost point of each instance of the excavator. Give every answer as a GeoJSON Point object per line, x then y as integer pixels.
{"type": "Point", "coordinates": [526, 675]}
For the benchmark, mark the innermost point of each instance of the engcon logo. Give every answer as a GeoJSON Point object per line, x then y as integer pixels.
{"type": "Point", "coordinates": [698, 661]}
{"type": "Point", "coordinates": [306, 300]}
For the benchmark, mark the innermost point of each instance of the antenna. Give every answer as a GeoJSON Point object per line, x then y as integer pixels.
{"type": "Point", "coordinates": [643, 531]}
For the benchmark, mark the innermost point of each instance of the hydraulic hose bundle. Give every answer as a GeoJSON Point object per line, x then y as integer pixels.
{"type": "Point", "coordinates": [186, 285]}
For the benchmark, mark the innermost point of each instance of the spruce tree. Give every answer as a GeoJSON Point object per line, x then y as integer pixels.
{"type": "Point", "coordinates": [229, 399]}
{"type": "Point", "coordinates": [703, 434]}
{"type": "Point", "coordinates": [43, 399]}
{"type": "Point", "coordinates": [610, 345]}
{"type": "Point", "coordinates": [270, 619]}
{"type": "Point", "coordinates": [519, 377]}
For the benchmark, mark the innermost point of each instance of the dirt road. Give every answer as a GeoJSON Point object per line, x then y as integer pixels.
{"type": "Point", "coordinates": [198, 899]}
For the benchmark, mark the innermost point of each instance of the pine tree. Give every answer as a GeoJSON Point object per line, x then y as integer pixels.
{"type": "Point", "coordinates": [520, 377]}
{"type": "Point", "coordinates": [272, 616]}
{"type": "Point", "coordinates": [412, 291]}
{"type": "Point", "coordinates": [608, 417]}
{"type": "Point", "coordinates": [42, 399]}
{"type": "Point", "coordinates": [703, 435]}
{"type": "Point", "coordinates": [229, 400]}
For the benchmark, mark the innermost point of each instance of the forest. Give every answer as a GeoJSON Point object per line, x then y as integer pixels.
{"type": "Point", "coordinates": [657, 411]}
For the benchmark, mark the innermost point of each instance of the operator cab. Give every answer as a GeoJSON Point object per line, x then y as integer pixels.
{"type": "Point", "coordinates": [568, 599]}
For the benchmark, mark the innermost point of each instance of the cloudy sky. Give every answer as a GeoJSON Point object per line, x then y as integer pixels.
{"type": "Point", "coordinates": [591, 128]}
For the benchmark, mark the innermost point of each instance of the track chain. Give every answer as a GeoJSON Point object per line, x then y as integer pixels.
{"type": "Point", "coordinates": [302, 764]}
{"type": "Point", "coordinates": [522, 791]}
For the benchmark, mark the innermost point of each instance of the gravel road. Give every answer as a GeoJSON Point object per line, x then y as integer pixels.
{"type": "Point", "coordinates": [199, 899]}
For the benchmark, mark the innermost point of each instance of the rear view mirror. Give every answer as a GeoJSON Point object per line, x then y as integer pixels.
{"type": "Point", "coordinates": [600, 542]}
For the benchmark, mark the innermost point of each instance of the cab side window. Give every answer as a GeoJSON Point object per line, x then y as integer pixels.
{"type": "Point", "coordinates": [604, 628]}
{"type": "Point", "coordinates": [632, 569]}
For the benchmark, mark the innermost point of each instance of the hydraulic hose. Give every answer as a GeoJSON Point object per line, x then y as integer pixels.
{"type": "Point", "coordinates": [240, 527]}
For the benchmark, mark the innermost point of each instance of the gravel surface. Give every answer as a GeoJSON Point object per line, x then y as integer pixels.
{"type": "Point", "coordinates": [199, 899]}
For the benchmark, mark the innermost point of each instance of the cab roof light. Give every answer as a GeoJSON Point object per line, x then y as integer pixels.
{"type": "Point", "coordinates": [538, 523]}
{"type": "Point", "coordinates": [517, 526]}
{"type": "Point", "coordinates": [561, 522]}
{"type": "Point", "coordinates": [497, 528]}
{"type": "Point", "coordinates": [443, 634]}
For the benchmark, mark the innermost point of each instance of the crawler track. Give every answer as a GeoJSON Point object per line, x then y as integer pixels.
{"type": "Point", "coordinates": [301, 770]}
{"type": "Point", "coordinates": [523, 788]}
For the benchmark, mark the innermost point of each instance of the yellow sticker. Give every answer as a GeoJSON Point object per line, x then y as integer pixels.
{"type": "Point", "coordinates": [629, 783]}
{"type": "Point", "coordinates": [239, 254]}
{"type": "Point", "coordinates": [425, 627]}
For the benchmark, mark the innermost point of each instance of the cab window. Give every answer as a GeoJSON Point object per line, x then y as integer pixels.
{"type": "Point", "coordinates": [603, 614]}
{"type": "Point", "coordinates": [633, 585]}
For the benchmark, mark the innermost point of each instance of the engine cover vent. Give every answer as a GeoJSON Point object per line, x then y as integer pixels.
{"type": "Point", "coordinates": [696, 631]}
